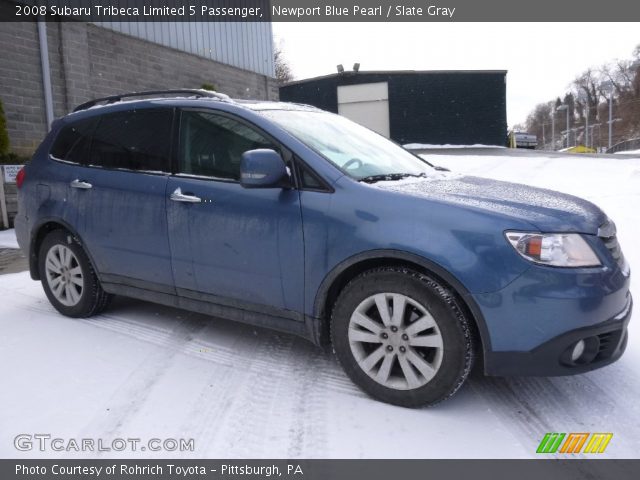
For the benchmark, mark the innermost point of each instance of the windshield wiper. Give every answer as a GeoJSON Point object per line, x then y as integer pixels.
{"type": "Point", "coordinates": [390, 176]}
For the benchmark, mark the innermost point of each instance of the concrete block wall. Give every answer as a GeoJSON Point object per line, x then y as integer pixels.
{"type": "Point", "coordinates": [21, 85]}
{"type": "Point", "coordinates": [87, 61]}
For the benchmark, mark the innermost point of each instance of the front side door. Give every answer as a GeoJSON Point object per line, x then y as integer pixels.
{"type": "Point", "coordinates": [121, 191]}
{"type": "Point", "coordinates": [231, 245]}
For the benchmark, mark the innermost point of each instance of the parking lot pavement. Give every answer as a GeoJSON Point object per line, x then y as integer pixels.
{"type": "Point", "coordinates": [12, 260]}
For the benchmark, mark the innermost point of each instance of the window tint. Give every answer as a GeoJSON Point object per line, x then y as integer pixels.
{"type": "Point", "coordinates": [212, 145]}
{"type": "Point", "coordinates": [72, 143]}
{"type": "Point", "coordinates": [133, 140]}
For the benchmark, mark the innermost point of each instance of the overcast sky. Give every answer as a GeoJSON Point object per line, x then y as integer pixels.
{"type": "Point", "coordinates": [541, 58]}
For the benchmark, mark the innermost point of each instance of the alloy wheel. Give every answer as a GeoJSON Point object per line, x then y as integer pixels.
{"type": "Point", "coordinates": [64, 275]}
{"type": "Point", "coordinates": [395, 341]}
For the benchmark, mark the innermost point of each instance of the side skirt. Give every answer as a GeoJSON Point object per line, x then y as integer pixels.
{"type": "Point", "coordinates": [303, 327]}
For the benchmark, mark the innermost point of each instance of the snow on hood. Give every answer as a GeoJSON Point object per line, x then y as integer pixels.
{"type": "Point", "coordinates": [548, 210]}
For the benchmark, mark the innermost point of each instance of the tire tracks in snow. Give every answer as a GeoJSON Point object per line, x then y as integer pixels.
{"type": "Point", "coordinates": [299, 415]}
{"type": "Point", "coordinates": [254, 416]}
{"type": "Point", "coordinates": [129, 399]}
{"type": "Point", "coordinates": [265, 388]}
{"type": "Point", "coordinates": [155, 329]}
{"type": "Point", "coordinates": [272, 388]}
{"type": "Point", "coordinates": [307, 431]}
{"type": "Point", "coordinates": [279, 408]}
{"type": "Point", "coordinates": [222, 417]}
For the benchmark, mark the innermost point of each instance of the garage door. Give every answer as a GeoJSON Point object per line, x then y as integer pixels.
{"type": "Point", "coordinates": [366, 104]}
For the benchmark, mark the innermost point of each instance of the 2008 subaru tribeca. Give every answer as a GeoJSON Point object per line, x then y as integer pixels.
{"type": "Point", "coordinates": [296, 219]}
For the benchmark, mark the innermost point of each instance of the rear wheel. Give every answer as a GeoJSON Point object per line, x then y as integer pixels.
{"type": "Point", "coordinates": [68, 279]}
{"type": "Point", "coordinates": [402, 337]}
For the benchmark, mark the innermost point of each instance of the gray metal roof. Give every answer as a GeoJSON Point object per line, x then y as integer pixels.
{"type": "Point", "coordinates": [247, 45]}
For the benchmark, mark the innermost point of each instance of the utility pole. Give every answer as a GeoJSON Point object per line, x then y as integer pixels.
{"type": "Point", "coordinates": [567, 126]}
{"type": "Point", "coordinates": [565, 107]}
{"type": "Point", "coordinates": [610, 115]}
{"type": "Point", "coordinates": [553, 129]}
{"type": "Point", "coordinates": [586, 127]}
{"type": "Point", "coordinates": [584, 98]}
{"type": "Point", "coordinates": [608, 87]}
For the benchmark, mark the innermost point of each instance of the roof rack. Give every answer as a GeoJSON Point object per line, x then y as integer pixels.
{"type": "Point", "coordinates": [182, 91]}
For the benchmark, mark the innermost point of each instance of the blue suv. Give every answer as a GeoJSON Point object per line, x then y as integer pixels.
{"type": "Point", "coordinates": [292, 218]}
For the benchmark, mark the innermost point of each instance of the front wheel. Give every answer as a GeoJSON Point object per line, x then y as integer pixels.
{"type": "Point", "coordinates": [68, 279]}
{"type": "Point", "coordinates": [402, 337]}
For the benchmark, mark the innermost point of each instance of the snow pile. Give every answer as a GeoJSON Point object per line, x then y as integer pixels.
{"type": "Point", "coordinates": [427, 146]}
{"type": "Point", "coordinates": [8, 239]}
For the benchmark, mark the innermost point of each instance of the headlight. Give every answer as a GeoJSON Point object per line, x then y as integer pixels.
{"type": "Point", "coordinates": [555, 249]}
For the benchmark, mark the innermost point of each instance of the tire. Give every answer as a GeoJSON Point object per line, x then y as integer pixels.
{"type": "Point", "coordinates": [428, 356]}
{"type": "Point", "coordinates": [68, 278]}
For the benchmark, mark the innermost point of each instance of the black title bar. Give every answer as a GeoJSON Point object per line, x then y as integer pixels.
{"type": "Point", "coordinates": [322, 10]}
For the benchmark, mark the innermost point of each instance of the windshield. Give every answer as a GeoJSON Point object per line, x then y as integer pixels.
{"type": "Point", "coordinates": [356, 150]}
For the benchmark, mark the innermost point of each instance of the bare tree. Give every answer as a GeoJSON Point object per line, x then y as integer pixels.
{"type": "Point", "coordinates": [283, 69]}
{"type": "Point", "coordinates": [539, 122]}
{"type": "Point", "coordinates": [587, 95]}
{"type": "Point", "coordinates": [586, 85]}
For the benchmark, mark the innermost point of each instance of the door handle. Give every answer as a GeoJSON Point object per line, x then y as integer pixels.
{"type": "Point", "coordinates": [178, 196]}
{"type": "Point", "coordinates": [80, 184]}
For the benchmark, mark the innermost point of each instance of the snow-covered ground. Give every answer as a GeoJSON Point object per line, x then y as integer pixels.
{"type": "Point", "coordinates": [142, 370]}
{"type": "Point", "coordinates": [8, 239]}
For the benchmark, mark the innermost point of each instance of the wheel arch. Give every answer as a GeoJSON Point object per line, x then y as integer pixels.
{"type": "Point", "coordinates": [38, 234]}
{"type": "Point", "coordinates": [348, 269]}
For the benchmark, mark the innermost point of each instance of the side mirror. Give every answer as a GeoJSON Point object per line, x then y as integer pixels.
{"type": "Point", "coordinates": [263, 168]}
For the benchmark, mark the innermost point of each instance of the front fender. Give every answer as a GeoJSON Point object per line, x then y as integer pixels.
{"type": "Point", "coordinates": [368, 259]}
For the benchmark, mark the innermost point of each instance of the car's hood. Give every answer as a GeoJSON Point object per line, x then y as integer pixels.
{"type": "Point", "coordinates": [547, 210]}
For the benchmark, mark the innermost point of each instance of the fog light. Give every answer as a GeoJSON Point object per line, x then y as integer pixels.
{"type": "Point", "coordinates": [577, 351]}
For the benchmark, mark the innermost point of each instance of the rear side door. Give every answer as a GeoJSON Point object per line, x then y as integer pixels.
{"type": "Point", "coordinates": [54, 196]}
{"type": "Point", "coordinates": [231, 245]}
{"type": "Point", "coordinates": [122, 186]}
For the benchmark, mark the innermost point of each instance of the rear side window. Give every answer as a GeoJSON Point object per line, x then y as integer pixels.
{"type": "Point", "coordinates": [133, 140]}
{"type": "Point", "coordinates": [72, 143]}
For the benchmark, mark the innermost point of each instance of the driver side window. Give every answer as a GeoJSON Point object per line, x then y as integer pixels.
{"type": "Point", "coordinates": [212, 145]}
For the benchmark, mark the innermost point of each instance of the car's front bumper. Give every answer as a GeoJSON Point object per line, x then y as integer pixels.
{"type": "Point", "coordinates": [604, 344]}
